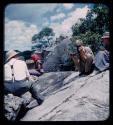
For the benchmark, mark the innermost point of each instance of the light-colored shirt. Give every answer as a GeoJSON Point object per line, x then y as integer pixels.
{"type": "Point", "coordinates": [89, 51]}
{"type": "Point", "coordinates": [19, 68]}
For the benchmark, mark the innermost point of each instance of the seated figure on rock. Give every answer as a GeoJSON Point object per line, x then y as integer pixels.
{"type": "Point", "coordinates": [17, 78]}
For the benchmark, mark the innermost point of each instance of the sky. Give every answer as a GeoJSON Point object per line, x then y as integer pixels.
{"type": "Point", "coordinates": [22, 21]}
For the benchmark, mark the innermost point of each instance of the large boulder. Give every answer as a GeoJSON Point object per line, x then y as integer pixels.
{"type": "Point", "coordinates": [69, 97]}
{"type": "Point", "coordinates": [59, 56]}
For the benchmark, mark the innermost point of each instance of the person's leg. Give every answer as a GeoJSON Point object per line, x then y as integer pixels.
{"type": "Point", "coordinates": [88, 64]}
{"type": "Point", "coordinates": [38, 100]}
{"type": "Point", "coordinates": [21, 87]}
{"type": "Point", "coordinates": [81, 67]}
{"type": "Point", "coordinates": [24, 86]}
{"type": "Point", "coordinates": [35, 91]}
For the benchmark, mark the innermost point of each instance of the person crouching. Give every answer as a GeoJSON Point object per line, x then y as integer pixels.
{"type": "Point", "coordinates": [84, 58]}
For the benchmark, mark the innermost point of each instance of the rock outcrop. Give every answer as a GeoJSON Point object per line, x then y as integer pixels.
{"type": "Point", "coordinates": [58, 57]}
{"type": "Point", "coordinates": [69, 97]}
{"type": "Point", "coordinates": [12, 105]}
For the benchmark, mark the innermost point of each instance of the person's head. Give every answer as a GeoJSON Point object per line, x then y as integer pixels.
{"type": "Point", "coordinates": [35, 57]}
{"type": "Point", "coordinates": [78, 43]}
{"type": "Point", "coordinates": [105, 38]}
{"type": "Point", "coordinates": [12, 54]}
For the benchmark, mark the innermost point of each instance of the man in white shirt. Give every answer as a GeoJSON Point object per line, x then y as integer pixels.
{"type": "Point", "coordinates": [17, 77]}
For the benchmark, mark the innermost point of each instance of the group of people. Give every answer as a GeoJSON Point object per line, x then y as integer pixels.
{"type": "Point", "coordinates": [85, 60]}
{"type": "Point", "coordinates": [17, 78]}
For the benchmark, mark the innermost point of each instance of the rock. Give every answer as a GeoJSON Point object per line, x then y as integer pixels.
{"type": "Point", "coordinates": [72, 98]}
{"type": "Point", "coordinates": [50, 82]}
{"type": "Point", "coordinates": [26, 98]}
{"type": "Point", "coordinates": [12, 105]}
{"type": "Point", "coordinates": [58, 57]}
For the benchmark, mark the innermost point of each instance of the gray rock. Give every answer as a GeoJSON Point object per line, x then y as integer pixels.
{"type": "Point", "coordinates": [57, 57]}
{"type": "Point", "coordinates": [12, 105]}
{"type": "Point", "coordinates": [26, 98]}
{"type": "Point", "coordinates": [74, 99]}
{"type": "Point", "coordinates": [50, 82]}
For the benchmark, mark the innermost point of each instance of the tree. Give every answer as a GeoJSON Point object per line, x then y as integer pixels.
{"type": "Point", "coordinates": [93, 26]}
{"type": "Point", "coordinates": [44, 37]}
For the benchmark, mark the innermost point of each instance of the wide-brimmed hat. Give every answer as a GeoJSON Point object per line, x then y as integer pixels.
{"type": "Point", "coordinates": [105, 35]}
{"type": "Point", "coordinates": [11, 54]}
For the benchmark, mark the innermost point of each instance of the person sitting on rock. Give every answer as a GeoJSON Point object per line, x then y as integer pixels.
{"type": "Point", "coordinates": [37, 64]}
{"type": "Point", "coordinates": [17, 78]}
{"type": "Point", "coordinates": [101, 60]}
{"type": "Point", "coordinates": [83, 59]}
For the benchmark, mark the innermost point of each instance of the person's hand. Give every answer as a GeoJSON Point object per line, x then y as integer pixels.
{"type": "Point", "coordinates": [81, 49]}
{"type": "Point", "coordinates": [75, 59]}
{"type": "Point", "coordinates": [27, 78]}
{"type": "Point", "coordinates": [82, 52]}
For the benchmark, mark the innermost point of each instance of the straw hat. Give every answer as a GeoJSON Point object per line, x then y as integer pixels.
{"type": "Point", "coordinates": [105, 35]}
{"type": "Point", "coordinates": [11, 54]}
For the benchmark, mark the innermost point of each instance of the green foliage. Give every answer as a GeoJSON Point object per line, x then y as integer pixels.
{"type": "Point", "coordinates": [91, 29]}
{"type": "Point", "coordinates": [91, 39]}
{"type": "Point", "coordinates": [44, 33]}
{"type": "Point", "coordinates": [34, 37]}
{"type": "Point", "coordinates": [26, 54]}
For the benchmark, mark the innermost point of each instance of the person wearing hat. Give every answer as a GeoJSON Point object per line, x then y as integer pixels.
{"type": "Point", "coordinates": [17, 78]}
{"type": "Point", "coordinates": [83, 59]}
{"type": "Point", "coordinates": [101, 60]}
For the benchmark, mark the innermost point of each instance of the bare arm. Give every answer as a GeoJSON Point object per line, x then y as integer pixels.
{"type": "Point", "coordinates": [82, 52]}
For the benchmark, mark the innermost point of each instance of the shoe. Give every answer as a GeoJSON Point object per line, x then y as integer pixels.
{"type": "Point", "coordinates": [87, 73]}
{"type": "Point", "coordinates": [82, 73]}
{"type": "Point", "coordinates": [40, 101]}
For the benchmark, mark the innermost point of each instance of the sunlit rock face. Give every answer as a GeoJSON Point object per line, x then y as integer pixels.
{"type": "Point", "coordinates": [69, 97]}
